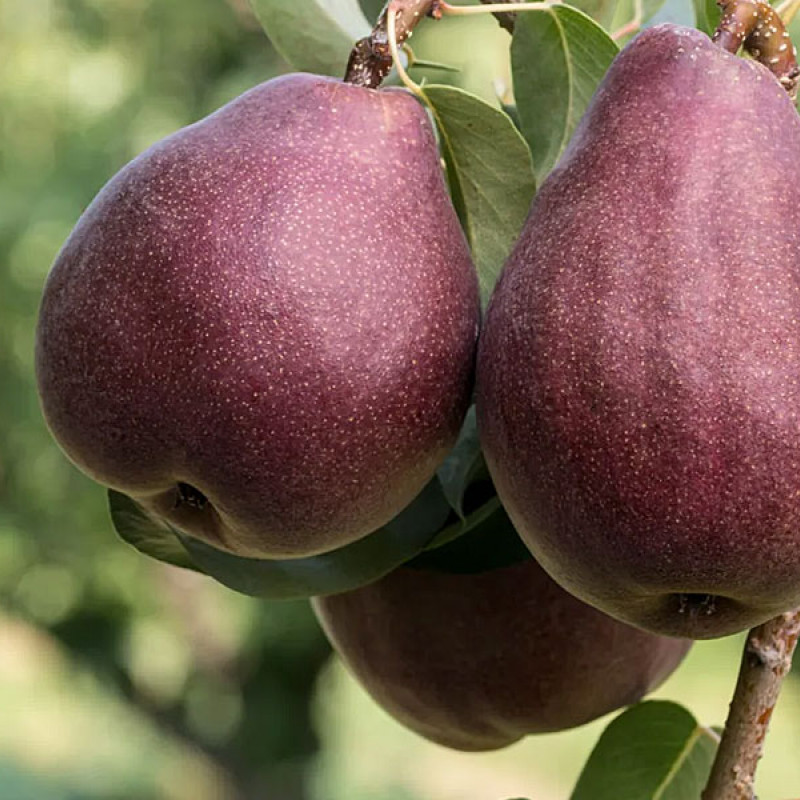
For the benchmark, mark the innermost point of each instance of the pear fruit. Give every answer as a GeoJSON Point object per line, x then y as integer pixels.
{"type": "Point", "coordinates": [638, 386]}
{"type": "Point", "coordinates": [263, 328]}
{"type": "Point", "coordinates": [477, 660]}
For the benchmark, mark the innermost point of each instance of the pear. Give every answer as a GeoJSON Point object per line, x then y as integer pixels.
{"type": "Point", "coordinates": [263, 327]}
{"type": "Point", "coordinates": [475, 660]}
{"type": "Point", "coordinates": [638, 386]}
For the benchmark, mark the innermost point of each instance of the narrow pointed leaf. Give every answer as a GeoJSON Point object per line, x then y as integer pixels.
{"type": "Point", "coordinates": [424, 63]}
{"type": "Point", "coordinates": [462, 463]}
{"type": "Point", "coordinates": [490, 173]}
{"type": "Point", "coordinates": [313, 35]}
{"type": "Point", "coordinates": [340, 570]}
{"type": "Point", "coordinates": [653, 751]}
{"type": "Point", "coordinates": [558, 57]}
{"type": "Point", "coordinates": [148, 535]}
{"type": "Point", "coordinates": [487, 540]}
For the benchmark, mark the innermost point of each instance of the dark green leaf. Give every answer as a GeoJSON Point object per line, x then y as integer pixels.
{"type": "Point", "coordinates": [347, 568]}
{"type": "Point", "coordinates": [459, 527]}
{"type": "Point", "coordinates": [313, 35]}
{"type": "Point", "coordinates": [706, 15]}
{"type": "Point", "coordinates": [514, 116]}
{"type": "Point", "coordinates": [490, 173]}
{"type": "Point", "coordinates": [653, 751]}
{"type": "Point", "coordinates": [148, 535]}
{"type": "Point", "coordinates": [486, 540]}
{"type": "Point", "coordinates": [558, 56]}
{"type": "Point", "coordinates": [463, 463]}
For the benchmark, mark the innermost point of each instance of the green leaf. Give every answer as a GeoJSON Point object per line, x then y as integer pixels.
{"type": "Point", "coordinates": [313, 35]}
{"type": "Point", "coordinates": [706, 15]}
{"type": "Point", "coordinates": [340, 570]}
{"type": "Point", "coordinates": [349, 567]}
{"type": "Point", "coordinates": [425, 63]}
{"type": "Point", "coordinates": [459, 527]}
{"type": "Point", "coordinates": [602, 11]}
{"type": "Point", "coordinates": [558, 57]}
{"type": "Point", "coordinates": [490, 173]}
{"type": "Point", "coordinates": [653, 751]}
{"type": "Point", "coordinates": [486, 540]}
{"type": "Point", "coordinates": [464, 462]}
{"type": "Point", "coordinates": [147, 534]}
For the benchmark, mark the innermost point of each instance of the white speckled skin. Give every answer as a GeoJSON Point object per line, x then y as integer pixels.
{"type": "Point", "coordinates": [639, 372]}
{"type": "Point", "coordinates": [275, 306]}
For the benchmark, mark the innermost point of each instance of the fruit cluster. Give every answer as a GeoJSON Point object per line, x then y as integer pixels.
{"type": "Point", "coordinates": [264, 331]}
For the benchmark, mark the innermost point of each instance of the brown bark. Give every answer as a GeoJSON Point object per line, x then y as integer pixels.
{"type": "Point", "coordinates": [756, 26]}
{"type": "Point", "coordinates": [371, 58]}
{"type": "Point", "coordinates": [766, 660]}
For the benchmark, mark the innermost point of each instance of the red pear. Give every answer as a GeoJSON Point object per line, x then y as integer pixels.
{"type": "Point", "coordinates": [263, 328]}
{"type": "Point", "coordinates": [639, 371]}
{"type": "Point", "coordinates": [477, 660]}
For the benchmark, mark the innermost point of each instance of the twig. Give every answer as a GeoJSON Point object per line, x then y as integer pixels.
{"type": "Point", "coordinates": [505, 19]}
{"type": "Point", "coordinates": [398, 63]}
{"type": "Point", "coordinates": [767, 658]}
{"type": "Point", "coordinates": [443, 7]}
{"type": "Point", "coordinates": [757, 26]}
{"type": "Point", "coordinates": [371, 58]}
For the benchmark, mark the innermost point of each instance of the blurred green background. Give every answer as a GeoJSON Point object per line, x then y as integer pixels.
{"type": "Point", "coordinates": [122, 678]}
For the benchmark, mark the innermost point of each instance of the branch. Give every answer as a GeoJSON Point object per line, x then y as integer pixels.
{"type": "Point", "coordinates": [506, 19]}
{"type": "Point", "coordinates": [757, 26]}
{"type": "Point", "coordinates": [766, 660]}
{"type": "Point", "coordinates": [371, 58]}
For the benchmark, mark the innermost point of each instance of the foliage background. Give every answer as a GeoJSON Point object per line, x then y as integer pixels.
{"type": "Point", "coordinates": [122, 678]}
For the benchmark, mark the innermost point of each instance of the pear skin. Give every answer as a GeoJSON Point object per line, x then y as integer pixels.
{"type": "Point", "coordinates": [263, 328]}
{"type": "Point", "coordinates": [477, 660]}
{"type": "Point", "coordinates": [638, 388]}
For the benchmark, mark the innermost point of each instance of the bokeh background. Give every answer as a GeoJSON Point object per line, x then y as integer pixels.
{"type": "Point", "coordinates": [125, 679]}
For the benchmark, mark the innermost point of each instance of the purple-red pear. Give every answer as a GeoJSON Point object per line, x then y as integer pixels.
{"type": "Point", "coordinates": [476, 661]}
{"type": "Point", "coordinates": [639, 371]}
{"type": "Point", "coordinates": [263, 328]}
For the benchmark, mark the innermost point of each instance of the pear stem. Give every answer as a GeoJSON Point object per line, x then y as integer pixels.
{"type": "Point", "coordinates": [757, 26]}
{"type": "Point", "coordinates": [766, 660]}
{"type": "Point", "coordinates": [491, 8]}
{"type": "Point", "coordinates": [391, 31]}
